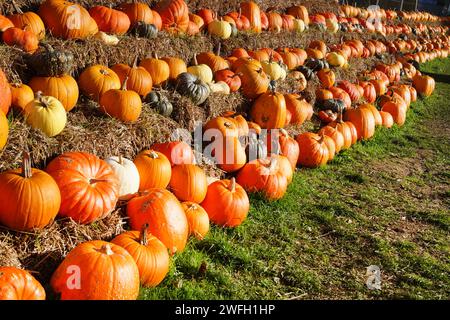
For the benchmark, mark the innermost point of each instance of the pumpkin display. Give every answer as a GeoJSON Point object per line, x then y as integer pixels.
{"type": "Point", "coordinates": [160, 103]}
{"type": "Point", "coordinates": [174, 15]}
{"type": "Point", "coordinates": [363, 120]}
{"type": "Point", "coordinates": [139, 80]}
{"type": "Point", "coordinates": [154, 170]}
{"type": "Point", "coordinates": [4, 130]}
{"type": "Point", "coordinates": [198, 219]}
{"type": "Point", "coordinates": [191, 86]}
{"type": "Point", "coordinates": [264, 175]}
{"type": "Point", "coordinates": [123, 104]}
{"type": "Point", "coordinates": [67, 20]}
{"type": "Point", "coordinates": [202, 71]}
{"type": "Point", "coordinates": [94, 81]}
{"type": "Point", "coordinates": [47, 114]}
{"type": "Point", "coordinates": [89, 187]}
{"type": "Point", "coordinates": [31, 198]}
{"type": "Point", "coordinates": [313, 150]}
{"type": "Point", "coordinates": [424, 85]}
{"type": "Point", "coordinates": [97, 270]}
{"type": "Point", "coordinates": [226, 203]}
{"type": "Point", "coordinates": [64, 88]}
{"type": "Point", "coordinates": [50, 62]}
{"type": "Point", "coordinates": [269, 110]}
{"type": "Point", "coordinates": [149, 253]}
{"type": "Point", "coordinates": [164, 215]}
{"type": "Point", "coordinates": [127, 173]}
{"type": "Point", "coordinates": [188, 183]}
{"type": "Point", "coordinates": [110, 20]}
{"type": "Point", "coordinates": [177, 152]}
{"type": "Point", "coordinates": [29, 21]}
{"type": "Point", "coordinates": [17, 284]}
{"type": "Point", "coordinates": [21, 95]}
{"type": "Point", "coordinates": [23, 39]}
{"type": "Point", "coordinates": [159, 70]}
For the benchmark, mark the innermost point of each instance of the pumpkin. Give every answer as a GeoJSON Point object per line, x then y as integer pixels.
{"type": "Point", "coordinates": [46, 114]}
{"type": "Point", "coordinates": [177, 152]}
{"type": "Point", "coordinates": [413, 93]}
{"type": "Point", "coordinates": [157, 21]}
{"type": "Point", "coordinates": [424, 85]}
{"type": "Point", "coordinates": [274, 70]}
{"type": "Point", "coordinates": [202, 71]}
{"type": "Point", "coordinates": [176, 67]}
{"type": "Point", "coordinates": [192, 87]}
{"type": "Point", "coordinates": [164, 215]}
{"type": "Point", "coordinates": [329, 143]}
{"type": "Point", "coordinates": [174, 14]}
{"type": "Point", "coordinates": [154, 169]}
{"type": "Point", "coordinates": [97, 270]}
{"type": "Point", "coordinates": [299, 12]}
{"type": "Point", "coordinates": [300, 80]}
{"type": "Point", "coordinates": [240, 122]}
{"type": "Point", "coordinates": [139, 80]}
{"type": "Point", "coordinates": [350, 88]}
{"type": "Point", "coordinates": [251, 11]}
{"type": "Point", "coordinates": [160, 103]}
{"type": "Point", "coordinates": [4, 130]}
{"type": "Point", "coordinates": [397, 111]}
{"type": "Point", "coordinates": [375, 113]}
{"type": "Point", "coordinates": [346, 130]}
{"type": "Point", "coordinates": [299, 109]}
{"type": "Point", "coordinates": [67, 20]}
{"type": "Point", "coordinates": [264, 175]}
{"type": "Point", "coordinates": [340, 94]}
{"type": "Point", "coordinates": [215, 62]}
{"type": "Point", "coordinates": [128, 175]}
{"type": "Point", "coordinates": [64, 88]}
{"type": "Point", "coordinates": [94, 81]}
{"type": "Point", "coordinates": [89, 186]}
{"type": "Point", "coordinates": [188, 183]}
{"type": "Point", "coordinates": [269, 110]}
{"type": "Point", "coordinates": [145, 30]}
{"type": "Point", "coordinates": [110, 20]}
{"type": "Point", "coordinates": [29, 20]}
{"type": "Point", "coordinates": [224, 127]}
{"type": "Point", "coordinates": [220, 29]}
{"type": "Point", "coordinates": [21, 95]}
{"type": "Point", "coordinates": [229, 77]}
{"type": "Point", "coordinates": [254, 80]}
{"type": "Point", "coordinates": [5, 93]}
{"type": "Point", "coordinates": [323, 94]}
{"type": "Point", "coordinates": [197, 19]}
{"type": "Point", "coordinates": [387, 119]}
{"type": "Point", "coordinates": [335, 59]}
{"type": "Point", "coordinates": [334, 134]}
{"type": "Point", "coordinates": [288, 147]}
{"type": "Point", "coordinates": [149, 253]}
{"type": "Point", "coordinates": [254, 127]}
{"type": "Point", "coordinates": [24, 39]}
{"type": "Point", "coordinates": [159, 70]}
{"type": "Point", "coordinates": [5, 23]}
{"type": "Point", "coordinates": [327, 116]}
{"type": "Point", "coordinates": [403, 91]}
{"type": "Point", "coordinates": [207, 15]}
{"type": "Point", "coordinates": [30, 197]}
{"type": "Point", "coordinates": [369, 92]}
{"type": "Point", "coordinates": [198, 219]}
{"type": "Point", "coordinates": [138, 11]}
{"type": "Point", "coordinates": [275, 21]}
{"type": "Point", "coordinates": [17, 284]}
{"type": "Point", "coordinates": [363, 120]}
{"type": "Point", "coordinates": [326, 78]}
{"type": "Point", "coordinates": [380, 86]}
{"type": "Point", "coordinates": [226, 203]}
{"type": "Point", "coordinates": [50, 62]}
{"type": "Point", "coordinates": [313, 150]}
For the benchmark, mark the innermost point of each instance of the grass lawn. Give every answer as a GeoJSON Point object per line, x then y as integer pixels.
{"type": "Point", "coordinates": [384, 202]}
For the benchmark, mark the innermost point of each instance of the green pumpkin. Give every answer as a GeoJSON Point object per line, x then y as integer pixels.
{"type": "Point", "coordinates": [48, 62]}
{"type": "Point", "coordinates": [160, 103]}
{"type": "Point", "coordinates": [191, 86]}
{"type": "Point", "coordinates": [145, 30]}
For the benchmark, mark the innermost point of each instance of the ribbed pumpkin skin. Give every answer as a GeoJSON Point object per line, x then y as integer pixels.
{"type": "Point", "coordinates": [5, 93]}
{"type": "Point", "coordinates": [4, 130]}
{"type": "Point", "coordinates": [375, 113]}
{"type": "Point", "coordinates": [165, 216]}
{"type": "Point", "coordinates": [63, 88]}
{"type": "Point", "coordinates": [269, 110]}
{"type": "Point", "coordinates": [177, 152]}
{"type": "Point", "coordinates": [104, 274]}
{"type": "Point", "coordinates": [313, 151]}
{"type": "Point", "coordinates": [21, 95]}
{"type": "Point", "coordinates": [139, 80]}
{"type": "Point", "coordinates": [174, 14]}
{"type": "Point", "coordinates": [176, 67]}
{"type": "Point", "coordinates": [137, 11]}
{"type": "Point", "coordinates": [254, 81]}
{"type": "Point", "coordinates": [397, 111]}
{"type": "Point", "coordinates": [334, 134]}
{"type": "Point", "coordinates": [387, 119]}
{"type": "Point", "coordinates": [121, 104]}
{"type": "Point", "coordinates": [110, 20]}
{"type": "Point", "coordinates": [300, 109]}
{"type": "Point", "coordinates": [96, 80]}
{"type": "Point", "coordinates": [154, 169]}
{"type": "Point", "coordinates": [152, 258]}
{"type": "Point", "coordinates": [28, 203]}
{"type": "Point", "coordinates": [225, 206]}
{"type": "Point", "coordinates": [251, 10]}
{"type": "Point", "coordinates": [345, 131]}
{"type": "Point", "coordinates": [17, 284]}
{"type": "Point", "coordinates": [158, 69]}
{"type": "Point", "coordinates": [89, 187]}
{"type": "Point", "coordinates": [188, 182]}
{"type": "Point", "coordinates": [198, 219]}
{"type": "Point", "coordinates": [31, 21]}
{"type": "Point", "coordinates": [363, 120]}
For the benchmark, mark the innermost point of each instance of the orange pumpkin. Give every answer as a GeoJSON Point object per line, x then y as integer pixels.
{"type": "Point", "coordinates": [17, 284]}
{"type": "Point", "coordinates": [363, 120]}
{"type": "Point", "coordinates": [94, 81]}
{"type": "Point", "coordinates": [154, 169]}
{"type": "Point", "coordinates": [177, 152]}
{"type": "Point", "coordinates": [21, 95]}
{"type": "Point", "coordinates": [110, 20]}
{"type": "Point", "coordinates": [24, 39]}
{"type": "Point", "coordinates": [64, 88]}
{"type": "Point", "coordinates": [159, 70]}
{"type": "Point", "coordinates": [174, 15]}
{"type": "Point", "coordinates": [139, 79]}
{"type": "Point", "coordinates": [387, 119]}
{"type": "Point", "coordinates": [188, 183]}
{"type": "Point", "coordinates": [313, 150]}
{"type": "Point", "coordinates": [176, 67]}
{"type": "Point", "coordinates": [198, 219]}
{"type": "Point", "coordinates": [269, 110]}
{"type": "Point", "coordinates": [29, 21]}
{"type": "Point", "coordinates": [334, 134]}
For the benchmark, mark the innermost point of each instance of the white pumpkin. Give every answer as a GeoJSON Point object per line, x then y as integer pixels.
{"type": "Point", "coordinates": [202, 71]}
{"type": "Point", "coordinates": [221, 29]}
{"type": "Point", "coordinates": [299, 25]}
{"type": "Point", "coordinates": [219, 87]}
{"type": "Point", "coordinates": [274, 70]}
{"type": "Point", "coordinates": [127, 173]}
{"type": "Point", "coordinates": [106, 38]}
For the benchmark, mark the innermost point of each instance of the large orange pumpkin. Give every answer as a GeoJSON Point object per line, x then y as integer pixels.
{"type": "Point", "coordinates": [139, 79]}
{"type": "Point", "coordinates": [299, 108]}
{"type": "Point", "coordinates": [17, 284]}
{"type": "Point", "coordinates": [269, 110]}
{"type": "Point", "coordinates": [251, 11]}
{"type": "Point", "coordinates": [96, 80]}
{"type": "Point", "coordinates": [363, 120]}
{"type": "Point", "coordinates": [29, 20]}
{"type": "Point", "coordinates": [110, 20]}
{"type": "Point", "coordinates": [30, 197]}
{"type": "Point", "coordinates": [174, 15]}
{"type": "Point", "coordinates": [138, 11]}
{"type": "Point", "coordinates": [89, 187]}
{"type": "Point", "coordinates": [64, 88]}
{"type": "Point", "coordinates": [97, 270]}
{"type": "Point", "coordinates": [164, 215]}
{"type": "Point", "coordinates": [159, 69]}
{"type": "Point", "coordinates": [154, 169]}
{"type": "Point", "coordinates": [188, 182]}
{"type": "Point", "coordinates": [313, 150]}
{"type": "Point", "coordinates": [226, 203]}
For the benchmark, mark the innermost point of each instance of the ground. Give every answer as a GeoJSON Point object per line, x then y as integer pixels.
{"type": "Point", "coordinates": [384, 202]}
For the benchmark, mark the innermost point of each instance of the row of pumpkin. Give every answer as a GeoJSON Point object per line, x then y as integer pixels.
{"type": "Point", "coordinates": [72, 21]}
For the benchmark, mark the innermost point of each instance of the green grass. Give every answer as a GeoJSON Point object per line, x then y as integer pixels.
{"type": "Point", "coordinates": [384, 202]}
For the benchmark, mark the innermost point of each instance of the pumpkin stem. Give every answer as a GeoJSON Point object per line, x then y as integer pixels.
{"type": "Point", "coordinates": [104, 71]}
{"type": "Point", "coordinates": [124, 84]}
{"type": "Point", "coordinates": [26, 165]}
{"type": "Point", "coordinates": [195, 60]}
{"type": "Point", "coordinates": [153, 155]}
{"type": "Point", "coordinates": [218, 49]}
{"type": "Point", "coordinates": [156, 56]}
{"type": "Point", "coordinates": [106, 249]}
{"type": "Point", "coordinates": [16, 7]}
{"type": "Point", "coordinates": [120, 160]}
{"type": "Point", "coordinates": [232, 185]}
{"type": "Point", "coordinates": [41, 100]}
{"type": "Point", "coordinates": [284, 132]}
{"type": "Point", "coordinates": [92, 181]}
{"type": "Point", "coordinates": [144, 240]}
{"type": "Point", "coordinates": [134, 66]}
